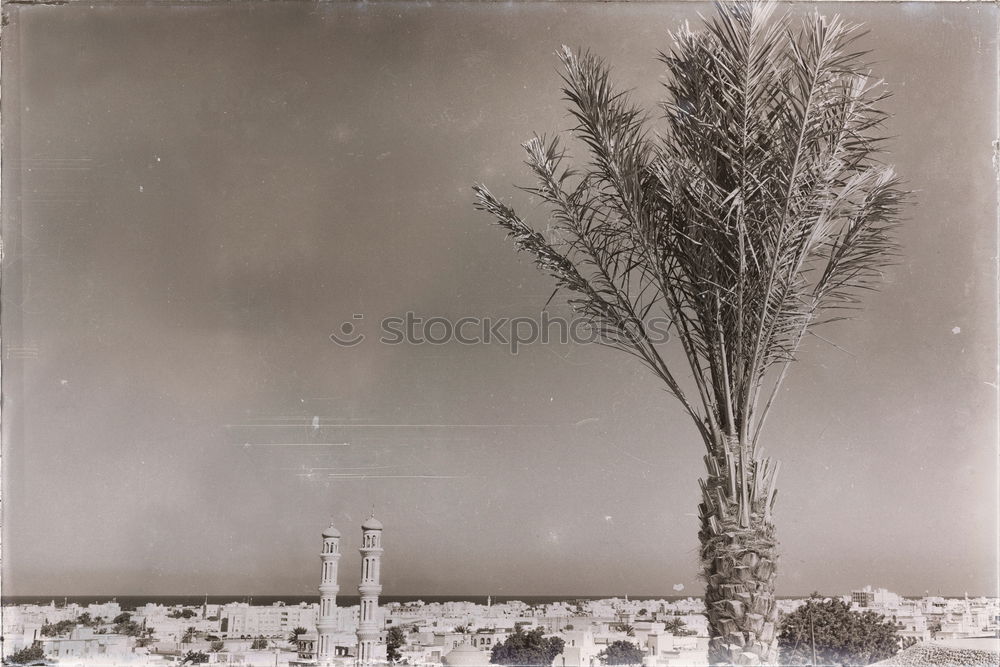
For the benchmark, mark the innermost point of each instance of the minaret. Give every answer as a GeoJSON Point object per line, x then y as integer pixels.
{"type": "Point", "coordinates": [327, 623]}
{"type": "Point", "coordinates": [371, 565]}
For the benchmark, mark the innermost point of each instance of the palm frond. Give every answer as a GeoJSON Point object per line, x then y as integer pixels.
{"type": "Point", "coordinates": [756, 209]}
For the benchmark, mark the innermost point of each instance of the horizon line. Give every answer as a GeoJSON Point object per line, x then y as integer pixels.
{"type": "Point", "coordinates": [458, 596]}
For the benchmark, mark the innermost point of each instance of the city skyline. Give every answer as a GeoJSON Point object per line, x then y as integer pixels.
{"type": "Point", "coordinates": [207, 193]}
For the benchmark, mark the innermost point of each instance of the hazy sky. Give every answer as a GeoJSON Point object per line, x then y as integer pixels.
{"type": "Point", "coordinates": [197, 196]}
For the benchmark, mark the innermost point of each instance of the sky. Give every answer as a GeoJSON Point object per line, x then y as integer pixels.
{"type": "Point", "coordinates": [198, 196]}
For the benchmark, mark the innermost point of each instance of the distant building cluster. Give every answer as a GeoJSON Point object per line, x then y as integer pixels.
{"type": "Point", "coordinates": [457, 634]}
{"type": "Point", "coordinates": [436, 634]}
{"type": "Point", "coordinates": [931, 617]}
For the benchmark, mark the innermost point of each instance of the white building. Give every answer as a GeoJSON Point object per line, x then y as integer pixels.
{"type": "Point", "coordinates": [239, 619]}
{"type": "Point", "coordinates": [328, 623]}
{"type": "Point", "coordinates": [342, 635]}
{"type": "Point", "coordinates": [466, 655]}
{"type": "Point", "coordinates": [371, 643]}
{"type": "Point", "coordinates": [881, 598]}
{"type": "Point", "coordinates": [579, 649]}
{"type": "Point", "coordinates": [83, 646]}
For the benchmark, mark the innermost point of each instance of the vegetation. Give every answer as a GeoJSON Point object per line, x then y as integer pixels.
{"type": "Point", "coordinates": [216, 646]}
{"type": "Point", "coordinates": [122, 618]}
{"type": "Point", "coordinates": [57, 629]}
{"type": "Point", "coordinates": [678, 628]}
{"type": "Point", "coordinates": [195, 658]}
{"type": "Point", "coordinates": [293, 637]}
{"type": "Point", "coordinates": [394, 639]}
{"type": "Point", "coordinates": [132, 629]}
{"type": "Point", "coordinates": [259, 643]}
{"type": "Point", "coordinates": [828, 632]}
{"type": "Point", "coordinates": [182, 613]}
{"type": "Point", "coordinates": [621, 653]}
{"type": "Point", "coordinates": [527, 649]}
{"type": "Point", "coordinates": [624, 627]}
{"type": "Point", "coordinates": [756, 211]}
{"type": "Point", "coordinates": [189, 635]}
{"type": "Point", "coordinates": [26, 656]}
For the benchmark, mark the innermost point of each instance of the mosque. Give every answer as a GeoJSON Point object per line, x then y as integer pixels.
{"type": "Point", "coordinates": [331, 645]}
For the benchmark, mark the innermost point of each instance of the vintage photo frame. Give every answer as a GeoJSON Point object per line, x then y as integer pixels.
{"type": "Point", "coordinates": [259, 278]}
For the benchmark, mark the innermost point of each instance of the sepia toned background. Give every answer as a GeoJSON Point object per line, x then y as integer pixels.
{"type": "Point", "coordinates": [196, 197]}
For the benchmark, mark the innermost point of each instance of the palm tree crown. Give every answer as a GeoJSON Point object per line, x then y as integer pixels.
{"type": "Point", "coordinates": [760, 206]}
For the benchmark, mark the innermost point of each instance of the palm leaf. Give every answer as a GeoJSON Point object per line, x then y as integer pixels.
{"type": "Point", "coordinates": [757, 210]}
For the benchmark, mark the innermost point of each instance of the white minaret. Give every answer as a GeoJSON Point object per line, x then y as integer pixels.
{"type": "Point", "coordinates": [371, 564]}
{"type": "Point", "coordinates": [328, 623]}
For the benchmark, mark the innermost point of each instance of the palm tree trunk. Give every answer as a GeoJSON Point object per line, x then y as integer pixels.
{"type": "Point", "coordinates": [739, 556]}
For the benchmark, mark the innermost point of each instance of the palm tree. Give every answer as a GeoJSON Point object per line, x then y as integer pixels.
{"type": "Point", "coordinates": [629, 630]}
{"type": "Point", "coordinates": [757, 211]}
{"type": "Point", "coordinates": [293, 637]}
{"type": "Point", "coordinates": [677, 627]}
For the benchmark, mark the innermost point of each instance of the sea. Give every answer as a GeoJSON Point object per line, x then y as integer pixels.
{"type": "Point", "coordinates": [131, 602]}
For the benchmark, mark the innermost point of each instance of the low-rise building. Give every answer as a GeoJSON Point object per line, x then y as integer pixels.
{"type": "Point", "coordinates": [239, 619]}
{"type": "Point", "coordinates": [83, 645]}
